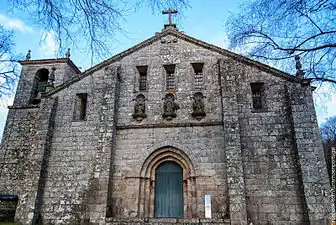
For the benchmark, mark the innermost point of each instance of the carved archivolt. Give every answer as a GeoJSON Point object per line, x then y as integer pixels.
{"type": "Point", "coordinates": [147, 181]}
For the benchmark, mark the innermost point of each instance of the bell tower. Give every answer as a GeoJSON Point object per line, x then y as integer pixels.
{"type": "Point", "coordinates": [38, 76]}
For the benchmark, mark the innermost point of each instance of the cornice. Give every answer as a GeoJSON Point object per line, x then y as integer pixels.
{"type": "Point", "coordinates": [51, 61]}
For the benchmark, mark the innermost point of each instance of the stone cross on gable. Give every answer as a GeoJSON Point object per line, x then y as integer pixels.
{"type": "Point", "coordinates": [169, 12]}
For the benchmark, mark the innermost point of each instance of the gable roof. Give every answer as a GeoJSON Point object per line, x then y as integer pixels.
{"type": "Point", "coordinates": [180, 35]}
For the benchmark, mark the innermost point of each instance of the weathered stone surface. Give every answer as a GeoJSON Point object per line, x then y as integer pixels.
{"type": "Point", "coordinates": [261, 166]}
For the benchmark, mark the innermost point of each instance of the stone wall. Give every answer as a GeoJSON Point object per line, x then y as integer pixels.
{"type": "Point", "coordinates": [269, 156]}
{"type": "Point", "coordinates": [272, 171]}
{"type": "Point", "coordinates": [74, 146]}
{"type": "Point", "coordinates": [314, 182]}
{"type": "Point", "coordinates": [18, 166]}
{"type": "Point", "coordinates": [203, 145]}
{"type": "Point", "coordinates": [155, 56]}
{"type": "Point", "coordinates": [25, 148]}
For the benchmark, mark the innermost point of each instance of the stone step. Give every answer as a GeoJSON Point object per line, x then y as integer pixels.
{"type": "Point", "coordinates": [156, 221]}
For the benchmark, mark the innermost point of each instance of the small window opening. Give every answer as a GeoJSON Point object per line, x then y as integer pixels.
{"type": "Point", "coordinates": [170, 77]}
{"type": "Point", "coordinates": [198, 80]}
{"type": "Point", "coordinates": [257, 95]}
{"type": "Point", "coordinates": [80, 106]}
{"type": "Point", "coordinates": [39, 85]}
{"type": "Point", "coordinates": [142, 77]}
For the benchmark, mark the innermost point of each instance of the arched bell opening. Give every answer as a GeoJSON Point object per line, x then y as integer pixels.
{"type": "Point", "coordinates": [39, 85]}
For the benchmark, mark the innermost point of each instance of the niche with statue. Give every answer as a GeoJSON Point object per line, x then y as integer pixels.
{"type": "Point", "coordinates": [169, 107]}
{"type": "Point", "coordinates": [198, 106]}
{"type": "Point", "coordinates": [139, 108]}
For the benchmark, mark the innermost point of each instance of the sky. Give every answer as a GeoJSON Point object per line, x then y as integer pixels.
{"type": "Point", "coordinates": [204, 20]}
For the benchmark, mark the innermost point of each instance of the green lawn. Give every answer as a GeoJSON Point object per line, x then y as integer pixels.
{"type": "Point", "coordinates": [9, 223]}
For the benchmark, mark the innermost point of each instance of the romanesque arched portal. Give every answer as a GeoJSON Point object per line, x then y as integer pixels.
{"type": "Point", "coordinates": [149, 181]}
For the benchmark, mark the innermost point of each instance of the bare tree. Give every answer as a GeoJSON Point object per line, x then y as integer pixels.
{"type": "Point", "coordinates": [275, 31]}
{"type": "Point", "coordinates": [93, 22]}
{"type": "Point", "coordinates": [328, 133]}
{"type": "Point", "coordinates": [8, 65]}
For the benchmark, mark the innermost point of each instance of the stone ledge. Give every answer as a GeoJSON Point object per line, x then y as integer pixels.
{"type": "Point", "coordinates": [23, 107]}
{"type": "Point", "coordinates": [166, 221]}
{"type": "Point", "coordinates": [142, 126]}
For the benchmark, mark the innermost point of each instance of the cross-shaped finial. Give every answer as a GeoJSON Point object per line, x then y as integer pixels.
{"type": "Point", "coordinates": [169, 12]}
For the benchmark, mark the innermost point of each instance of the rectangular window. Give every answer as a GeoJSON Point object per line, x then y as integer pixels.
{"type": "Point", "coordinates": [170, 77]}
{"type": "Point", "coordinates": [198, 78]}
{"type": "Point", "coordinates": [142, 70]}
{"type": "Point", "coordinates": [80, 106]}
{"type": "Point", "coordinates": [257, 95]}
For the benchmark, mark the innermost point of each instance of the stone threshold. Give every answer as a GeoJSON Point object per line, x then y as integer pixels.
{"type": "Point", "coordinates": [166, 221]}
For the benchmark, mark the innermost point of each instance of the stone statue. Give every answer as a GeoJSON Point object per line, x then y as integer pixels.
{"type": "Point", "coordinates": [67, 54]}
{"type": "Point", "coordinates": [51, 77]}
{"type": "Point", "coordinates": [298, 66]}
{"type": "Point", "coordinates": [169, 107]}
{"type": "Point", "coordinates": [140, 108]}
{"type": "Point", "coordinates": [198, 106]}
{"type": "Point", "coordinates": [28, 55]}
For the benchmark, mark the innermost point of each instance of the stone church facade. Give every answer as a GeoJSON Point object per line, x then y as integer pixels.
{"type": "Point", "coordinates": [147, 135]}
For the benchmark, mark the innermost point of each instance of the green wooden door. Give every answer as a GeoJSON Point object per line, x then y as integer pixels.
{"type": "Point", "coordinates": [169, 191]}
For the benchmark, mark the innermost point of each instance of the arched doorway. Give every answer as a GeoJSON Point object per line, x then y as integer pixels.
{"type": "Point", "coordinates": [148, 181]}
{"type": "Point", "coordinates": [169, 191]}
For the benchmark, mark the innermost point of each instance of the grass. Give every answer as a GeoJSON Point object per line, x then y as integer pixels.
{"type": "Point", "coordinates": [9, 223]}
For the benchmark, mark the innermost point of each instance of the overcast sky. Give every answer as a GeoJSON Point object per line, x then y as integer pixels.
{"type": "Point", "coordinates": [205, 20]}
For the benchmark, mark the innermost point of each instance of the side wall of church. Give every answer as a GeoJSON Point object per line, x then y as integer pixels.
{"type": "Point", "coordinates": [270, 159]}
{"type": "Point", "coordinates": [26, 136]}
{"type": "Point", "coordinates": [272, 178]}
{"type": "Point", "coordinates": [75, 190]}
{"type": "Point", "coordinates": [17, 162]}
{"type": "Point", "coordinates": [49, 159]}
{"type": "Point", "coordinates": [315, 183]}
{"type": "Point", "coordinates": [25, 150]}
{"type": "Point", "coordinates": [70, 186]}
{"type": "Point", "coordinates": [276, 187]}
